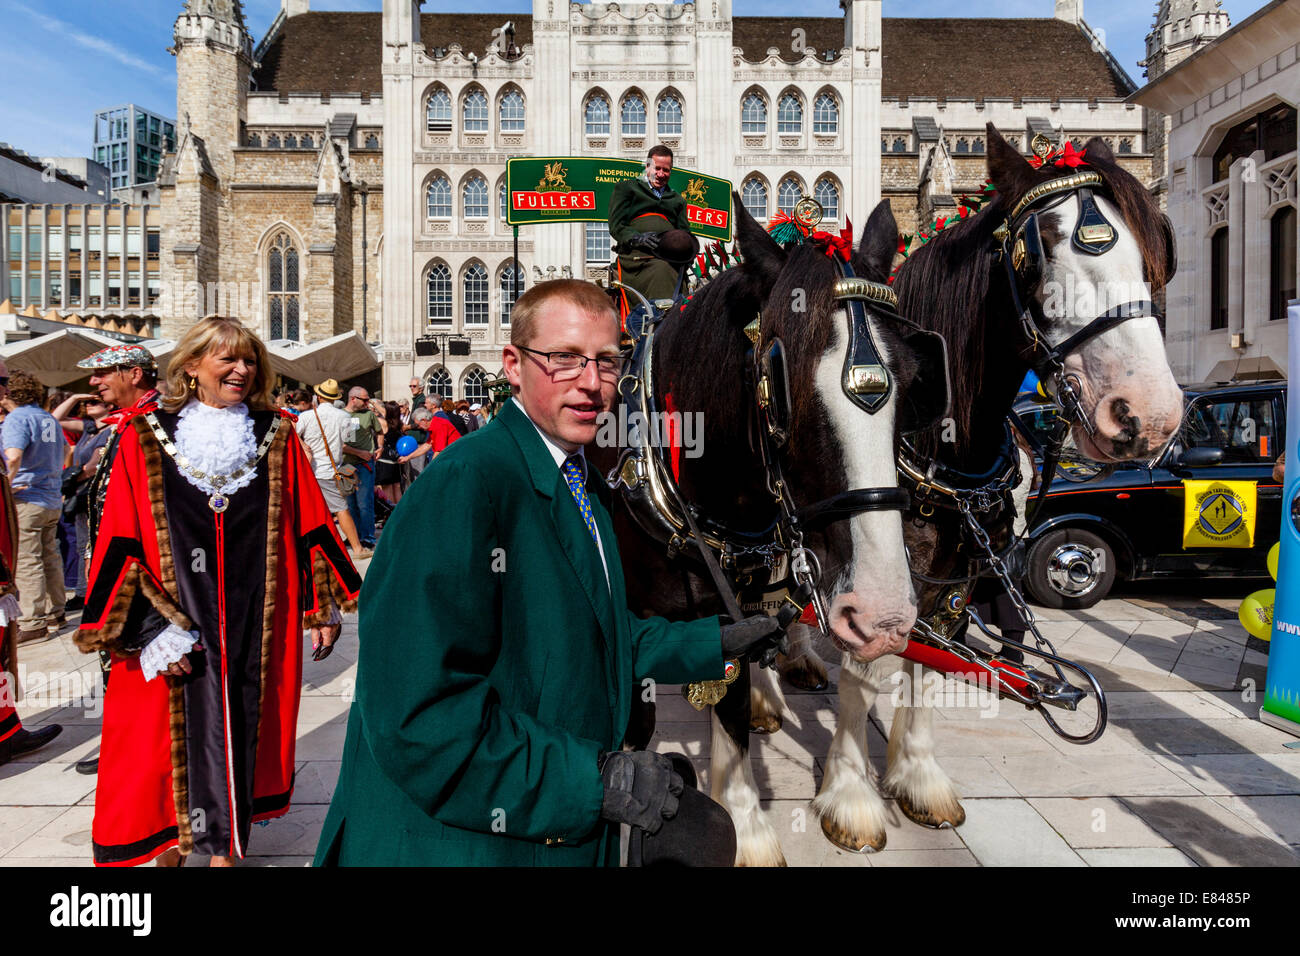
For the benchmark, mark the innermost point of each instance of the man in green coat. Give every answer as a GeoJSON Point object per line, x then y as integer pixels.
{"type": "Point", "coordinates": [641, 210]}
{"type": "Point", "coordinates": [497, 656]}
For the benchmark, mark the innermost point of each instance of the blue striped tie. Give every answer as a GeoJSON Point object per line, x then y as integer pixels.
{"type": "Point", "coordinates": [573, 474]}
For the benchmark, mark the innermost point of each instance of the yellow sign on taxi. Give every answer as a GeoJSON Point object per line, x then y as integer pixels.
{"type": "Point", "coordinates": [1218, 514]}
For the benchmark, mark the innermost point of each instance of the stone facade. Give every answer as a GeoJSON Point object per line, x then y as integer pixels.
{"type": "Point", "coordinates": [1225, 191]}
{"type": "Point", "coordinates": [1181, 28]}
{"type": "Point", "coordinates": [406, 102]}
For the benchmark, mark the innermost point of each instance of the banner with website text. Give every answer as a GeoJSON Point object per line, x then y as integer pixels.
{"type": "Point", "coordinates": [1281, 706]}
{"type": "Point", "coordinates": [549, 189]}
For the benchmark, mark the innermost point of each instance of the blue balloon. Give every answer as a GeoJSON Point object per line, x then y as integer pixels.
{"type": "Point", "coordinates": [406, 444]}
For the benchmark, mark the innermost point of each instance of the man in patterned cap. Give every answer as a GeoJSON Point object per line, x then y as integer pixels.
{"type": "Point", "coordinates": [126, 378]}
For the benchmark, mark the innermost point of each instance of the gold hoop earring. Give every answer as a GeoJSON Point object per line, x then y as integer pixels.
{"type": "Point", "coordinates": [193, 383]}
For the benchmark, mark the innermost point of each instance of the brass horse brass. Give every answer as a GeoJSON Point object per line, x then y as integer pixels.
{"type": "Point", "coordinates": [868, 380]}
{"type": "Point", "coordinates": [1096, 235]}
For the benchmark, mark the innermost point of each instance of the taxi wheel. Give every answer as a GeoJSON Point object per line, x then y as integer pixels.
{"type": "Point", "coordinates": [1070, 568]}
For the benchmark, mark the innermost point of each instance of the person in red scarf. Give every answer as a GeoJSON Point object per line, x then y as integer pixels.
{"type": "Point", "coordinates": [214, 553]}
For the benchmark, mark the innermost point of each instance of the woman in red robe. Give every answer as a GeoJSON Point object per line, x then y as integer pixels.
{"type": "Point", "coordinates": [215, 550]}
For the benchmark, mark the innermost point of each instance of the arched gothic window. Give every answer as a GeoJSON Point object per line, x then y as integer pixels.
{"type": "Point", "coordinates": [754, 195]}
{"type": "Point", "coordinates": [632, 115]}
{"type": "Point", "coordinates": [512, 112]}
{"type": "Point", "coordinates": [502, 204]}
{"type": "Point", "coordinates": [439, 384]}
{"type": "Point", "coordinates": [963, 145]}
{"type": "Point", "coordinates": [596, 116]}
{"type": "Point", "coordinates": [475, 390]}
{"type": "Point", "coordinates": [669, 115]}
{"type": "Point", "coordinates": [437, 112]}
{"type": "Point", "coordinates": [787, 194]}
{"type": "Point", "coordinates": [475, 198]}
{"type": "Point", "coordinates": [475, 287]}
{"type": "Point", "coordinates": [900, 145]}
{"type": "Point", "coordinates": [438, 289]}
{"type": "Point", "coordinates": [438, 198]}
{"type": "Point", "coordinates": [283, 289]}
{"type": "Point", "coordinates": [753, 115]}
{"type": "Point", "coordinates": [826, 114]}
{"type": "Point", "coordinates": [828, 194]}
{"type": "Point", "coordinates": [789, 114]}
{"type": "Point", "coordinates": [475, 112]}
{"type": "Point", "coordinates": [510, 291]}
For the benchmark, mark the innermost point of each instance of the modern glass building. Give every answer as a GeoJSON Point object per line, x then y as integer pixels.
{"type": "Point", "coordinates": [130, 141]}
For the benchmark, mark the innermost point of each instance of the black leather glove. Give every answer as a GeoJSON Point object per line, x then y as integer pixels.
{"type": "Point", "coordinates": [760, 638]}
{"type": "Point", "coordinates": [641, 789]}
{"type": "Point", "coordinates": [645, 242]}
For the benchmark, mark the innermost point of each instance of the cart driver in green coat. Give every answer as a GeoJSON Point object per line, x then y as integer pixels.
{"type": "Point", "coordinates": [498, 658]}
{"type": "Point", "coordinates": [644, 213]}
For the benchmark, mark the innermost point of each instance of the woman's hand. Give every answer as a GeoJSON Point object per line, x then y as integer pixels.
{"type": "Point", "coordinates": [322, 640]}
{"type": "Point", "coordinates": [183, 666]}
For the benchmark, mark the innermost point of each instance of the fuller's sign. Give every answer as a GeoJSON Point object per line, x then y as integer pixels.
{"type": "Point", "coordinates": [578, 189]}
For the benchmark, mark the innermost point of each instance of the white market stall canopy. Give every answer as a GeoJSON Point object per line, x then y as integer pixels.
{"type": "Point", "coordinates": [53, 358]}
{"type": "Point", "coordinates": [341, 357]}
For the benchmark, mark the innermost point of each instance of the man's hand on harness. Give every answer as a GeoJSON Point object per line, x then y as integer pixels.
{"type": "Point", "coordinates": [641, 789]}
{"type": "Point", "coordinates": [645, 242]}
{"type": "Point", "coordinates": [760, 638]}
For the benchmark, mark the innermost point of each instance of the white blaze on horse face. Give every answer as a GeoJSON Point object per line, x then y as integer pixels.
{"type": "Point", "coordinates": [1128, 389]}
{"type": "Point", "coordinates": [876, 608]}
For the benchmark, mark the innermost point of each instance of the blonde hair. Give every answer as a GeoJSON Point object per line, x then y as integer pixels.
{"type": "Point", "coordinates": [208, 335]}
{"type": "Point", "coordinates": [584, 296]}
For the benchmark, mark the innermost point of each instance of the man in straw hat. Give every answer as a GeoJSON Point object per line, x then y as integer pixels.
{"type": "Point", "coordinates": [325, 429]}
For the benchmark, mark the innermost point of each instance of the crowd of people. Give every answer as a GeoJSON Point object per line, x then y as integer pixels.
{"type": "Point", "coordinates": [108, 488]}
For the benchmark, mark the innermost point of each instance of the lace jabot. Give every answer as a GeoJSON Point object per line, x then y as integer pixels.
{"type": "Point", "coordinates": [216, 441]}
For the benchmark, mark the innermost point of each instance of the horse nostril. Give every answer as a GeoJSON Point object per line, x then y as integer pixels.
{"type": "Point", "coordinates": [1128, 426]}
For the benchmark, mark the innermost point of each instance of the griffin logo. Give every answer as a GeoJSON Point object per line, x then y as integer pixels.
{"type": "Point", "coordinates": [696, 193]}
{"type": "Point", "coordinates": [553, 180]}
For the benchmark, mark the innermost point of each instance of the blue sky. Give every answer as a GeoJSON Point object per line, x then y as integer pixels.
{"type": "Point", "coordinates": [78, 56]}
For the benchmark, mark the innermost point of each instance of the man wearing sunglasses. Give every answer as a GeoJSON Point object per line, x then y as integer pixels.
{"type": "Point", "coordinates": [494, 684]}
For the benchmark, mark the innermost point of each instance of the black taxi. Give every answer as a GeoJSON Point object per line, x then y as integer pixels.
{"type": "Point", "coordinates": [1099, 525]}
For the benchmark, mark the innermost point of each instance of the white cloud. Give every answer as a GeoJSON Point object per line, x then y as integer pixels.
{"type": "Point", "coordinates": [97, 44]}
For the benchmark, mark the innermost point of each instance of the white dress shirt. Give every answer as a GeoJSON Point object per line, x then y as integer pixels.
{"type": "Point", "coordinates": [560, 455]}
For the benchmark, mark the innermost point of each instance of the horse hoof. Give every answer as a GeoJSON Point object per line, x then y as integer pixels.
{"type": "Point", "coordinates": [928, 818]}
{"type": "Point", "coordinates": [765, 723]}
{"type": "Point", "coordinates": [845, 840]}
{"type": "Point", "coordinates": [806, 674]}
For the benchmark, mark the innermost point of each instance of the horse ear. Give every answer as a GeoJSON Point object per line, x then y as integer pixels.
{"type": "Point", "coordinates": [879, 244]}
{"type": "Point", "coordinates": [1098, 148]}
{"type": "Point", "coordinates": [760, 251]}
{"type": "Point", "coordinates": [1009, 170]}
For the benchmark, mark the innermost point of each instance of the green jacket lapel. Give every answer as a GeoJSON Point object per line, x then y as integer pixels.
{"type": "Point", "coordinates": [570, 529]}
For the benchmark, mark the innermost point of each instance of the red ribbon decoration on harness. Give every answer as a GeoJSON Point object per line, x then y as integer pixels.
{"type": "Point", "coordinates": [841, 245]}
{"type": "Point", "coordinates": [1065, 157]}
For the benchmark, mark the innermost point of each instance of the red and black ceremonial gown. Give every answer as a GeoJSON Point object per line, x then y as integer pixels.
{"type": "Point", "coordinates": [9, 722]}
{"type": "Point", "coordinates": [192, 762]}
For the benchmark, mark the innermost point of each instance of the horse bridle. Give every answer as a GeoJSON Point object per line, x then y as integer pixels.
{"type": "Point", "coordinates": [868, 383]}
{"type": "Point", "coordinates": [1023, 255]}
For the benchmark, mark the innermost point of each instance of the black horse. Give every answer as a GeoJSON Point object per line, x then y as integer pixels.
{"type": "Point", "coordinates": [700, 360]}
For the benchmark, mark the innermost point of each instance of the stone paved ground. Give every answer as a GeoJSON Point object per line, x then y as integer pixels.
{"type": "Point", "coordinates": [1185, 775]}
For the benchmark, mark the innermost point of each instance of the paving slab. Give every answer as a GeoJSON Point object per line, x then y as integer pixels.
{"type": "Point", "coordinates": [1209, 834]}
{"type": "Point", "coordinates": [989, 823]}
{"type": "Point", "coordinates": [1137, 856]}
{"type": "Point", "coordinates": [1097, 823]}
{"type": "Point", "coordinates": [1056, 775]}
{"type": "Point", "coordinates": [1240, 774]}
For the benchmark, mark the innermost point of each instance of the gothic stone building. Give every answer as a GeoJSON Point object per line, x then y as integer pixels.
{"type": "Point", "coordinates": [351, 145]}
